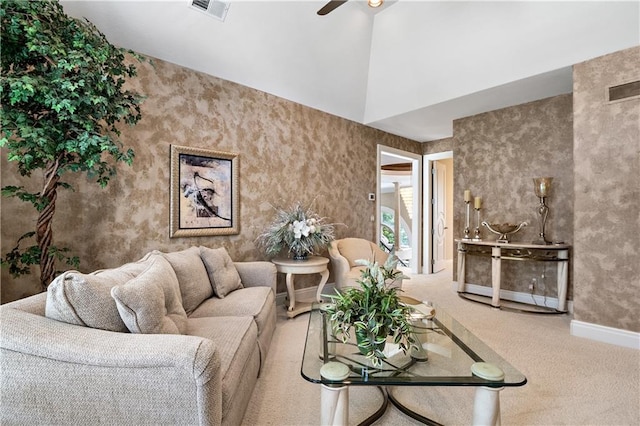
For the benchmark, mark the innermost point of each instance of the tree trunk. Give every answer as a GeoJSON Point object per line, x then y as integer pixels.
{"type": "Point", "coordinates": [44, 234]}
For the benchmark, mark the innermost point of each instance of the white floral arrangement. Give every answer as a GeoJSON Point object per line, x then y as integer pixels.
{"type": "Point", "coordinates": [300, 231]}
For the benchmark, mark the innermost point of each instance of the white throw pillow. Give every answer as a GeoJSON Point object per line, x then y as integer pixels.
{"type": "Point", "coordinates": [150, 303]}
{"type": "Point", "coordinates": [222, 272]}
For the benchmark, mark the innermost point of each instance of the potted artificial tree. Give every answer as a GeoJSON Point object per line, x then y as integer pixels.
{"type": "Point", "coordinates": [62, 98]}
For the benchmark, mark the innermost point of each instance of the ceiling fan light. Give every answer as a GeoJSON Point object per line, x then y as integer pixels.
{"type": "Point", "coordinates": [375, 3]}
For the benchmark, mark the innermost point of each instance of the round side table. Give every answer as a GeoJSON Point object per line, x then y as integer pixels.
{"type": "Point", "coordinates": [312, 265]}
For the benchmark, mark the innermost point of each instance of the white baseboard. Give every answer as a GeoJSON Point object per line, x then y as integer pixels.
{"type": "Point", "coordinates": [514, 296]}
{"type": "Point", "coordinates": [601, 333]}
{"type": "Point", "coordinates": [305, 294]}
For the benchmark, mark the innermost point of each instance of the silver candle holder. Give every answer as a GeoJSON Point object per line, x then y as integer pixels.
{"type": "Point", "coordinates": [477, 229]}
{"type": "Point", "coordinates": [542, 187]}
{"type": "Point", "coordinates": [477, 204]}
{"type": "Point", "coordinates": [467, 230]}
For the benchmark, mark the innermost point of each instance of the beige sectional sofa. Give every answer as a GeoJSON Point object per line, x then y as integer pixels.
{"type": "Point", "coordinates": [174, 338]}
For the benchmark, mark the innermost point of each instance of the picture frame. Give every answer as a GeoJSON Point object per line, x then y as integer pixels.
{"type": "Point", "coordinates": [204, 192]}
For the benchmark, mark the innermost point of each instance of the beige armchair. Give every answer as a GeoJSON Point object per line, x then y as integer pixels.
{"type": "Point", "coordinates": [345, 252]}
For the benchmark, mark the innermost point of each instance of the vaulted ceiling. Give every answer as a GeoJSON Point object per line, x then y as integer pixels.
{"type": "Point", "coordinates": [409, 68]}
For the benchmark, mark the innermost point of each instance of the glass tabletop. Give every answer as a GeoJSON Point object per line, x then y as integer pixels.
{"type": "Point", "coordinates": [448, 352]}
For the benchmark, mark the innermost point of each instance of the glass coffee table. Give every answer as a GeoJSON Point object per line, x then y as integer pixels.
{"type": "Point", "coordinates": [450, 355]}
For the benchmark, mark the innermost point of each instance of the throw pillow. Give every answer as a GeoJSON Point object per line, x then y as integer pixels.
{"type": "Point", "coordinates": [192, 277]}
{"type": "Point", "coordinates": [222, 273]}
{"type": "Point", "coordinates": [150, 303]}
{"type": "Point", "coordinates": [85, 299]}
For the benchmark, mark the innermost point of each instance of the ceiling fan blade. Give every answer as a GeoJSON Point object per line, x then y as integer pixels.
{"type": "Point", "coordinates": [333, 4]}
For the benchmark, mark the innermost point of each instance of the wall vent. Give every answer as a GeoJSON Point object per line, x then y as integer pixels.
{"type": "Point", "coordinates": [623, 91]}
{"type": "Point", "coordinates": [215, 8]}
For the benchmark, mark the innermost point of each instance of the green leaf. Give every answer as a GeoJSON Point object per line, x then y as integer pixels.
{"type": "Point", "coordinates": [63, 102]}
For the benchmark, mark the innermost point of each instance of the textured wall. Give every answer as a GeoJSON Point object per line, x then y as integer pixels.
{"type": "Point", "coordinates": [288, 153]}
{"type": "Point", "coordinates": [440, 145]}
{"type": "Point", "coordinates": [607, 193]}
{"type": "Point", "coordinates": [496, 156]}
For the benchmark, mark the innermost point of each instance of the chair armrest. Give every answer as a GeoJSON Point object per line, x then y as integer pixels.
{"type": "Point", "coordinates": [340, 266]}
{"type": "Point", "coordinates": [258, 273]}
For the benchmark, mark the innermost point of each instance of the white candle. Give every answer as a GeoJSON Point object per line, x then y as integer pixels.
{"type": "Point", "coordinates": [478, 202]}
{"type": "Point", "coordinates": [467, 195]}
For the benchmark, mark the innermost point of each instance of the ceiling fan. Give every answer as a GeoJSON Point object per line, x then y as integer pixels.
{"type": "Point", "coordinates": [333, 4]}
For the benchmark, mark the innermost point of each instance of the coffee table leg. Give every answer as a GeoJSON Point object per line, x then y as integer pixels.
{"type": "Point", "coordinates": [335, 405]}
{"type": "Point", "coordinates": [486, 406]}
{"type": "Point", "coordinates": [334, 398]}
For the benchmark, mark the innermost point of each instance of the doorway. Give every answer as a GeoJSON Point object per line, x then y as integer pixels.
{"type": "Point", "coordinates": [438, 208]}
{"type": "Point", "coordinates": [399, 206]}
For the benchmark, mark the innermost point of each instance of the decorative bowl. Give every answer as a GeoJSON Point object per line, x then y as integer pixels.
{"type": "Point", "coordinates": [504, 229]}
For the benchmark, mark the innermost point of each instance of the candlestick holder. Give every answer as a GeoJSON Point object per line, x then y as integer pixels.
{"type": "Point", "coordinates": [542, 186]}
{"type": "Point", "coordinates": [467, 230]}
{"type": "Point", "coordinates": [477, 229]}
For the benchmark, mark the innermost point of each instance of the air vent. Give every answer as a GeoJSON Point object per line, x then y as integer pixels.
{"type": "Point", "coordinates": [215, 8]}
{"type": "Point", "coordinates": [624, 91]}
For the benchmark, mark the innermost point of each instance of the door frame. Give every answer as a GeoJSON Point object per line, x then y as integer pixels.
{"type": "Point", "coordinates": [427, 178]}
{"type": "Point", "coordinates": [416, 183]}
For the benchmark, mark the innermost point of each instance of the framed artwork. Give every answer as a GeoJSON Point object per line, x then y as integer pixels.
{"type": "Point", "coordinates": [204, 192]}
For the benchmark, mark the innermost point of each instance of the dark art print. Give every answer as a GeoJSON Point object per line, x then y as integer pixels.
{"type": "Point", "coordinates": [204, 196]}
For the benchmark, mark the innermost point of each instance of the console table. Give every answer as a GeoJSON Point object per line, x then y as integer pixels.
{"type": "Point", "coordinates": [312, 265]}
{"type": "Point", "coordinates": [558, 253]}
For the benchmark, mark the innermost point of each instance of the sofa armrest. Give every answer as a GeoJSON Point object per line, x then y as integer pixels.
{"type": "Point", "coordinates": [258, 273]}
{"type": "Point", "coordinates": [83, 373]}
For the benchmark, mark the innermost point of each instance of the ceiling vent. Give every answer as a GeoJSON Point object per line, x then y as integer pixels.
{"type": "Point", "coordinates": [215, 8]}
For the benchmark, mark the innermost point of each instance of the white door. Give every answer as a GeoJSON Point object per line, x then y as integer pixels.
{"type": "Point", "coordinates": [439, 216]}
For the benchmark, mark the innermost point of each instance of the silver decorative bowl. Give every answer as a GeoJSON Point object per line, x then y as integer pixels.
{"type": "Point", "coordinates": [504, 229]}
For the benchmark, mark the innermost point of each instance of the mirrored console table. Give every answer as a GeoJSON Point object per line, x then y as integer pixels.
{"type": "Point", "coordinates": [558, 253]}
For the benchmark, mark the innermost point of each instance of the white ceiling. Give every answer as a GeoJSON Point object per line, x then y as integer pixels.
{"type": "Point", "coordinates": [409, 68]}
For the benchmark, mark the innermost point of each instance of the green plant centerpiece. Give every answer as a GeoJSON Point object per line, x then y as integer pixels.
{"type": "Point", "coordinates": [298, 230]}
{"type": "Point", "coordinates": [373, 309]}
{"type": "Point", "coordinates": [63, 98]}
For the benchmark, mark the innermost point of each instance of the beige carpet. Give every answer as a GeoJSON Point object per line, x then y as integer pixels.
{"type": "Point", "coordinates": [571, 381]}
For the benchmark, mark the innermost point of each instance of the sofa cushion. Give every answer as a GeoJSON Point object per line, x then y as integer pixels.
{"type": "Point", "coordinates": [235, 339]}
{"type": "Point", "coordinates": [192, 277]}
{"type": "Point", "coordinates": [222, 273]}
{"type": "Point", "coordinates": [85, 299]}
{"type": "Point", "coordinates": [255, 302]}
{"type": "Point", "coordinates": [150, 303]}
